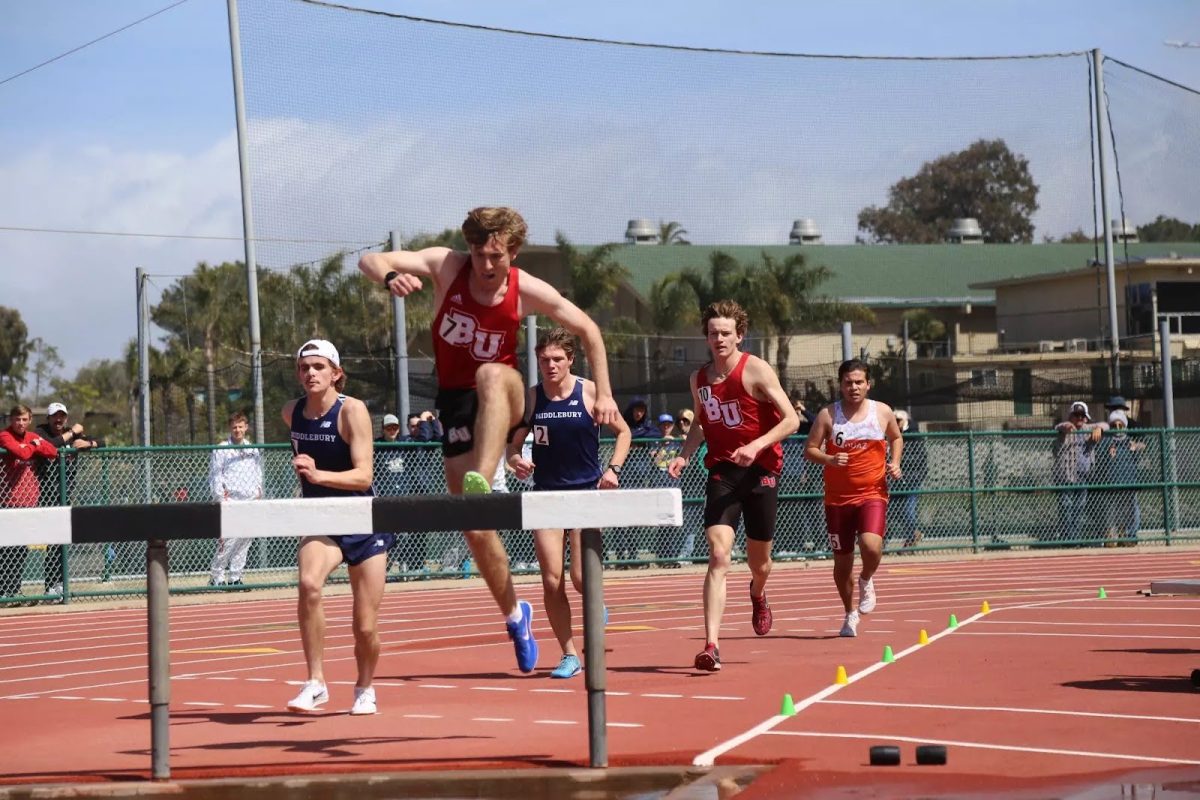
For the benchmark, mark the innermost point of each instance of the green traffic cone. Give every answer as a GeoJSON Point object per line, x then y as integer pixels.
{"type": "Point", "coordinates": [788, 708]}
{"type": "Point", "coordinates": [953, 622]}
{"type": "Point", "coordinates": [1103, 595]}
{"type": "Point", "coordinates": [888, 657]}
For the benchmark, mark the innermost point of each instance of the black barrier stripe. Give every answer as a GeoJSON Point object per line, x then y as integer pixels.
{"type": "Point", "coordinates": [140, 523]}
{"type": "Point", "coordinates": [419, 513]}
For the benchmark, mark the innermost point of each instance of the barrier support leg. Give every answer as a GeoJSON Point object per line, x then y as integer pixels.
{"type": "Point", "coordinates": [158, 617]}
{"type": "Point", "coordinates": [594, 674]}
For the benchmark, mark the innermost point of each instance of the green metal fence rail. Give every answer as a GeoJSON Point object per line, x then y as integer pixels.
{"type": "Point", "coordinates": [974, 491]}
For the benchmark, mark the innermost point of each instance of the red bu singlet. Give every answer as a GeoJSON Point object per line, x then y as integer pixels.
{"type": "Point", "coordinates": [467, 333]}
{"type": "Point", "coordinates": [732, 417]}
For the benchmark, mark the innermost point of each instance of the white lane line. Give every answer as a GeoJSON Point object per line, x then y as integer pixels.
{"type": "Point", "coordinates": [261, 680]}
{"type": "Point", "coordinates": [490, 719]}
{"type": "Point", "coordinates": [110, 699]}
{"type": "Point", "coordinates": [986, 746]}
{"type": "Point", "coordinates": [1085, 635]}
{"type": "Point", "coordinates": [715, 697]}
{"type": "Point", "coordinates": [491, 688]}
{"type": "Point", "coordinates": [223, 678]}
{"type": "Point", "coordinates": [253, 705]}
{"type": "Point", "coordinates": [423, 716]}
{"type": "Point", "coordinates": [707, 758]}
{"type": "Point", "coordinates": [65, 697]}
{"type": "Point", "coordinates": [1008, 709]}
{"type": "Point", "coordinates": [556, 691]}
{"type": "Point", "coordinates": [624, 725]}
{"type": "Point", "coordinates": [198, 703]}
{"type": "Point", "coordinates": [1007, 621]}
{"type": "Point", "coordinates": [656, 694]}
{"type": "Point", "coordinates": [556, 722]}
{"type": "Point", "coordinates": [436, 686]}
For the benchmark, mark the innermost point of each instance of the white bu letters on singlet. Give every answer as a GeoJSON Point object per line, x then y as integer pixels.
{"type": "Point", "coordinates": [462, 330]}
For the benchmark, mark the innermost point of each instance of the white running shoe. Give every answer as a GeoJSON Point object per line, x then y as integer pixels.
{"type": "Point", "coordinates": [866, 595]}
{"type": "Point", "coordinates": [850, 626]}
{"type": "Point", "coordinates": [364, 701]}
{"type": "Point", "coordinates": [312, 695]}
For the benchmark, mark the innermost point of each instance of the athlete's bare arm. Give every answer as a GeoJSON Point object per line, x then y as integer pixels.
{"type": "Point", "coordinates": [695, 434]}
{"type": "Point", "coordinates": [513, 456]}
{"type": "Point", "coordinates": [891, 432]}
{"type": "Point", "coordinates": [610, 479]}
{"type": "Point", "coordinates": [438, 264]}
{"type": "Point", "coordinates": [539, 297]}
{"type": "Point", "coordinates": [763, 384]}
{"type": "Point", "coordinates": [814, 446]}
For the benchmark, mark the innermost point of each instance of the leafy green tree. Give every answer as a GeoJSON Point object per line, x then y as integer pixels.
{"type": "Point", "coordinates": [926, 331]}
{"type": "Point", "coordinates": [1168, 229]}
{"type": "Point", "coordinates": [203, 311]}
{"type": "Point", "coordinates": [594, 275]}
{"type": "Point", "coordinates": [14, 348]}
{"type": "Point", "coordinates": [671, 233]}
{"type": "Point", "coordinates": [726, 279]}
{"type": "Point", "coordinates": [786, 302]}
{"type": "Point", "coordinates": [986, 181]}
{"type": "Point", "coordinates": [45, 367]}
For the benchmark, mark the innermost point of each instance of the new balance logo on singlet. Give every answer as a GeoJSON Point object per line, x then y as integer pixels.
{"type": "Point", "coordinates": [462, 330]}
{"type": "Point", "coordinates": [729, 414]}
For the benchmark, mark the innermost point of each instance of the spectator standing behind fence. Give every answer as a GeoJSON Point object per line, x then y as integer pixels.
{"type": "Point", "coordinates": [904, 509]}
{"type": "Point", "coordinates": [1118, 403]}
{"type": "Point", "coordinates": [398, 472]}
{"type": "Point", "coordinates": [1074, 453]}
{"type": "Point", "coordinates": [234, 474]}
{"type": "Point", "coordinates": [22, 449]}
{"type": "Point", "coordinates": [639, 468]}
{"type": "Point", "coordinates": [669, 542]}
{"type": "Point", "coordinates": [1121, 507]}
{"type": "Point", "coordinates": [58, 432]}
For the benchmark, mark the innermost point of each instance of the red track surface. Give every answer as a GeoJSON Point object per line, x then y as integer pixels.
{"type": "Point", "coordinates": [1054, 684]}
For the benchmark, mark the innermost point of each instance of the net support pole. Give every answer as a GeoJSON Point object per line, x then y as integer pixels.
{"type": "Point", "coordinates": [239, 108]}
{"type": "Point", "coordinates": [594, 673]}
{"type": "Point", "coordinates": [531, 368]}
{"type": "Point", "coordinates": [907, 384]}
{"type": "Point", "coordinates": [1114, 332]}
{"type": "Point", "coordinates": [158, 618]}
{"type": "Point", "coordinates": [847, 341]}
{"type": "Point", "coordinates": [1164, 349]}
{"type": "Point", "coordinates": [400, 336]}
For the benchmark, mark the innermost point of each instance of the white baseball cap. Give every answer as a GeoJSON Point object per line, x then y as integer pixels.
{"type": "Point", "coordinates": [390, 419]}
{"type": "Point", "coordinates": [54, 408]}
{"type": "Point", "coordinates": [319, 347]}
{"type": "Point", "coordinates": [1080, 407]}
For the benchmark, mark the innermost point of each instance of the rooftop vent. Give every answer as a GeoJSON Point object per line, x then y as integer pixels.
{"type": "Point", "coordinates": [1124, 232]}
{"type": "Point", "coordinates": [965, 231]}
{"type": "Point", "coordinates": [805, 231]}
{"type": "Point", "coordinates": [641, 231]}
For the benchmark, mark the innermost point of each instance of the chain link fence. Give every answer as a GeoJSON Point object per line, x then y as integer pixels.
{"type": "Point", "coordinates": [973, 491]}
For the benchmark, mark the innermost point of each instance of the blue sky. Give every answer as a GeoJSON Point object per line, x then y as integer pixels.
{"type": "Point", "coordinates": [136, 133]}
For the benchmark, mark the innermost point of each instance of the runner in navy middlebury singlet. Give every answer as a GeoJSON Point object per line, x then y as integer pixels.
{"type": "Point", "coordinates": [332, 446]}
{"type": "Point", "coordinates": [566, 455]}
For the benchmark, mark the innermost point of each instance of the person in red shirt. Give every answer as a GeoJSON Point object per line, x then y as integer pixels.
{"type": "Point", "coordinates": [852, 438]}
{"type": "Point", "coordinates": [744, 415]}
{"type": "Point", "coordinates": [20, 448]}
{"type": "Point", "coordinates": [481, 297]}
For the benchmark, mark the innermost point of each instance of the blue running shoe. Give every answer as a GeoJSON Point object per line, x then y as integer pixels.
{"type": "Point", "coordinates": [474, 483]}
{"type": "Point", "coordinates": [522, 635]}
{"type": "Point", "coordinates": [569, 667]}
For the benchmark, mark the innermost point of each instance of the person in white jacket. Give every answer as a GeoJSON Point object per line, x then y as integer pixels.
{"type": "Point", "coordinates": [234, 474]}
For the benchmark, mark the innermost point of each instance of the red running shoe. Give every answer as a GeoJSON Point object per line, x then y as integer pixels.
{"type": "Point", "coordinates": [709, 659]}
{"type": "Point", "coordinates": [760, 614]}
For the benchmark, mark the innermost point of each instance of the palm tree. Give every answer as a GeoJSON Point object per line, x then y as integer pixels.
{"type": "Point", "coordinates": [594, 276]}
{"type": "Point", "coordinates": [785, 302]}
{"type": "Point", "coordinates": [672, 306]}
{"type": "Point", "coordinates": [926, 330]}
{"type": "Point", "coordinates": [727, 279]}
{"type": "Point", "coordinates": [205, 309]}
{"type": "Point", "coordinates": [671, 233]}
